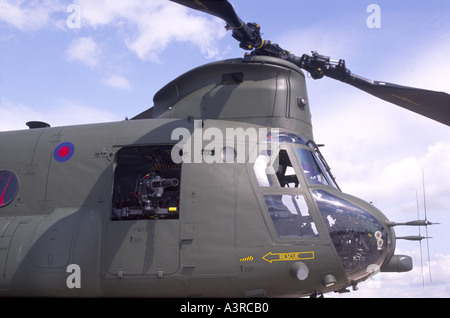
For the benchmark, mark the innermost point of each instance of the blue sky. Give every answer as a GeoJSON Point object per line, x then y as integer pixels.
{"type": "Point", "coordinates": [110, 65]}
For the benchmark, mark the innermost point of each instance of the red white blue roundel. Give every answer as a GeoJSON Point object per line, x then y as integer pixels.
{"type": "Point", "coordinates": [64, 152]}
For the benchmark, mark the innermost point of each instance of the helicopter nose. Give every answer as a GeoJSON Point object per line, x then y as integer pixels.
{"type": "Point", "coordinates": [360, 239]}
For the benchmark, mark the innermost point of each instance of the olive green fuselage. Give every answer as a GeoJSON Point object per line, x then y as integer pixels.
{"type": "Point", "coordinates": [79, 224]}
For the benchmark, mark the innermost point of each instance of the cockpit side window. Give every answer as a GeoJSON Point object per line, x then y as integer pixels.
{"type": "Point", "coordinates": [270, 166]}
{"type": "Point", "coordinates": [286, 174]}
{"type": "Point", "coordinates": [146, 184]}
{"type": "Point", "coordinates": [313, 172]}
{"type": "Point", "coordinates": [263, 170]}
{"type": "Point", "coordinates": [282, 193]}
{"type": "Point", "coordinates": [290, 216]}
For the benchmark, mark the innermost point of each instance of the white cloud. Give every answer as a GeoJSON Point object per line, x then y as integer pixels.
{"type": "Point", "coordinates": [13, 116]}
{"type": "Point", "coordinates": [85, 50]}
{"type": "Point", "coordinates": [103, 12]}
{"type": "Point", "coordinates": [64, 114]}
{"type": "Point", "coordinates": [28, 15]}
{"type": "Point", "coordinates": [378, 150]}
{"type": "Point", "coordinates": [148, 27]}
{"type": "Point", "coordinates": [145, 27]}
{"type": "Point", "coordinates": [118, 81]}
{"type": "Point", "coordinates": [322, 38]}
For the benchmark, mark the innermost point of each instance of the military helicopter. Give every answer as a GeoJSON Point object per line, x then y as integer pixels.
{"type": "Point", "coordinates": [218, 190]}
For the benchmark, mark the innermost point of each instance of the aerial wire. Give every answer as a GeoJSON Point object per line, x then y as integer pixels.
{"type": "Point", "coordinates": [420, 241]}
{"type": "Point", "coordinates": [426, 226]}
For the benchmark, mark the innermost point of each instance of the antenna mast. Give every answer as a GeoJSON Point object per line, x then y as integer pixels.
{"type": "Point", "coordinates": [426, 227]}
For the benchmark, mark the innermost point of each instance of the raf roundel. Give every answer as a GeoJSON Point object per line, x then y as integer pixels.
{"type": "Point", "coordinates": [64, 152]}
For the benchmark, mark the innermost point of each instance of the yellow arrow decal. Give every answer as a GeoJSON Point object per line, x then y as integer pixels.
{"type": "Point", "coordinates": [283, 257]}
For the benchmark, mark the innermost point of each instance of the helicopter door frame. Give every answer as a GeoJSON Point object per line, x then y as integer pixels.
{"type": "Point", "coordinates": [148, 243]}
{"type": "Point", "coordinates": [294, 206]}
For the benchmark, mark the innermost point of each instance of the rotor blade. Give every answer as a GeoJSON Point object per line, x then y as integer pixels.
{"type": "Point", "coordinates": [431, 104]}
{"type": "Point", "coordinates": [219, 8]}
